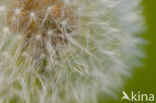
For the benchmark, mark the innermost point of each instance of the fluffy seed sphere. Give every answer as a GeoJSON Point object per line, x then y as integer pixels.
{"type": "Point", "coordinates": [67, 51]}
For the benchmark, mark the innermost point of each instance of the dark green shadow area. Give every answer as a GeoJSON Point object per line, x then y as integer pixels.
{"type": "Point", "coordinates": [144, 79]}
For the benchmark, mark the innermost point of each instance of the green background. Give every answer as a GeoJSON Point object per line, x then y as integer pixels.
{"type": "Point", "coordinates": [144, 78]}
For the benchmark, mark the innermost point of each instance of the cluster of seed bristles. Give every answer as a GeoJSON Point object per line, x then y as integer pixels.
{"type": "Point", "coordinates": [66, 51]}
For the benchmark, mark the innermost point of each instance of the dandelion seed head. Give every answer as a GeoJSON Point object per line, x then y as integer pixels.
{"type": "Point", "coordinates": [67, 51]}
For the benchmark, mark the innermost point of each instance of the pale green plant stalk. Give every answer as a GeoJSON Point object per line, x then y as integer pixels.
{"type": "Point", "coordinates": [68, 57]}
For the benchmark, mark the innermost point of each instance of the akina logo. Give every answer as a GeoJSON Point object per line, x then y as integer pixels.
{"type": "Point", "coordinates": [138, 97]}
